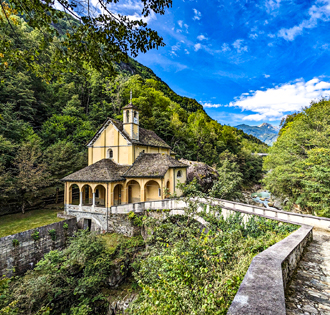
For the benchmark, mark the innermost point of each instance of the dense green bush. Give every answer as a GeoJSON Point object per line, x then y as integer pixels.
{"type": "Point", "coordinates": [298, 164]}
{"type": "Point", "coordinates": [194, 271]}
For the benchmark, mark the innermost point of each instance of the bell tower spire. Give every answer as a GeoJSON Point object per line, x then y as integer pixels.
{"type": "Point", "coordinates": [131, 120]}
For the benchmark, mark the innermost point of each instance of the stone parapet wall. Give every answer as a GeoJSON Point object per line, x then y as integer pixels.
{"type": "Point", "coordinates": [17, 258]}
{"type": "Point", "coordinates": [262, 289]}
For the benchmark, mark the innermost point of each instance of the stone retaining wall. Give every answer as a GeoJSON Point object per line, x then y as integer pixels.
{"type": "Point", "coordinates": [20, 252]}
{"type": "Point", "coordinates": [262, 289]}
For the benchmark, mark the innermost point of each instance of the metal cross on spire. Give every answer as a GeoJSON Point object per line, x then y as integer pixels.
{"type": "Point", "coordinates": [130, 97]}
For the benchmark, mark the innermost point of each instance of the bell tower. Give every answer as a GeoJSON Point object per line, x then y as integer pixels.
{"type": "Point", "coordinates": [131, 120]}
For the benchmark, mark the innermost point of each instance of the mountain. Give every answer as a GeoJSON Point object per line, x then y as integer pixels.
{"type": "Point", "coordinates": [265, 132]}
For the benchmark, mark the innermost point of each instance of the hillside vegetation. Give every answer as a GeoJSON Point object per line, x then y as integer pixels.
{"type": "Point", "coordinates": [183, 270]}
{"type": "Point", "coordinates": [45, 123]}
{"type": "Point", "coordinates": [298, 164]}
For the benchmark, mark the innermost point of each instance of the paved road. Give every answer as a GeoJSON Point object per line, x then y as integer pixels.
{"type": "Point", "coordinates": [309, 290]}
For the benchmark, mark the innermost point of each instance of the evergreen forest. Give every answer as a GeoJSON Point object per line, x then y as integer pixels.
{"type": "Point", "coordinates": [49, 110]}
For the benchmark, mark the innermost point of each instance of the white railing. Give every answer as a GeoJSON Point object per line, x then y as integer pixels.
{"type": "Point", "coordinates": [180, 204]}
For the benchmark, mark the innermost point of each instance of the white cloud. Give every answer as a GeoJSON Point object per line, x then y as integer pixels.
{"type": "Point", "coordinates": [315, 13]}
{"type": "Point", "coordinates": [225, 47]}
{"type": "Point", "coordinates": [201, 37]}
{"type": "Point", "coordinates": [187, 51]}
{"type": "Point", "coordinates": [180, 23]}
{"type": "Point", "coordinates": [274, 103]}
{"type": "Point", "coordinates": [197, 46]}
{"type": "Point", "coordinates": [272, 5]}
{"type": "Point", "coordinates": [239, 46]}
{"type": "Point", "coordinates": [266, 76]}
{"type": "Point", "coordinates": [253, 36]}
{"type": "Point", "coordinates": [209, 105]}
{"type": "Point", "coordinates": [197, 15]}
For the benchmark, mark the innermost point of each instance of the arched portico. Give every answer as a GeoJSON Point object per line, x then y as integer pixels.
{"type": "Point", "coordinates": [118, 195]}
{"type": "Point", "coordinates": [152, 191]}
{"type": "Point", "coordinates": [87, 195]}
{"type": "Point", "coordinates": [133, 191]}
{"type": "Point", "coordinates": [74, 194]}
{"type": "Point", "coordinates": [100, 195]}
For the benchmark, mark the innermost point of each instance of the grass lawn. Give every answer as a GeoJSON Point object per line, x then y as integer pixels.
{"type": "Point", "coordinates": [19, 222]}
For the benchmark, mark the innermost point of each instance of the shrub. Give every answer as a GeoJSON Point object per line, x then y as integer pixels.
{"type": "Point", "coordinates": [35, 235]}
{"type": "Point", "coordinates": [15, 242]}
{"type": "Point", "coordinates": [52, 234]}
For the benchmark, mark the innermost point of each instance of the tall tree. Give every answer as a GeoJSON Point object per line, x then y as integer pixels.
{"type": "Point", "coordinates": [298, 164]}
{"type": "Point", "coordinates": [97, 35]}
{"type": "Point", "coordinates": [31, 172]}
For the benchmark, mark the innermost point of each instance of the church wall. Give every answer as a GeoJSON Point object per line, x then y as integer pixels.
{"type": "Point", "coordinates": [169, 177]}
{"type": "Point", "coordinates": [153, 150]}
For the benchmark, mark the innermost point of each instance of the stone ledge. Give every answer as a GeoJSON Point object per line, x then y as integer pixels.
{"type": "Point", "coordinates": [262, 289]}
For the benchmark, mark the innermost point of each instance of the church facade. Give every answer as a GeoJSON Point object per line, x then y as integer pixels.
{"type": "Point", "coordinates": [126, 164]}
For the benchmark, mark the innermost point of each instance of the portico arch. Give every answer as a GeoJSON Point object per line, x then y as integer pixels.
{"type": "Point", "coordinates": [74, 194]}
{"type": "Point", "coordinates": [100, 195]}
{"type": "Point", "coordinates": [152, 191]}
{"type": "Point", "coordinates": [118, 195]}
{"type": "Point", "coordinates": [87, 195]}
{"type": "Point", "coordinates": [133, 191]}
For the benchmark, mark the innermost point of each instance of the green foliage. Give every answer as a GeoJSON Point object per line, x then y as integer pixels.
{"type": "Point", "coordinates": [136, 219]}
{"type": "Point", "coordinates": [53, 235]}
{"type": "Point", "coordinates": [47, 123]}
{"type": "Point", "coordinates": [72, 281]}
{"type": "Point", "coordinates": [298, 163]}
{"type": "Point", "coordinates": [91, 40]}
{"type": "Point", "coordinates": [15, 242]}
{"type": "Point", "coordinates": [35, 235]}
{"type": "Point", "coordinates": [189, 271]}
{"type": "Point", "coordinates": [65, 226]}
{"type": "Point", "coordinates": [229, 182]}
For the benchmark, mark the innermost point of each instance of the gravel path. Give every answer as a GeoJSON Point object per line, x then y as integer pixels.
{"type": "Point", "coordinates": [309, 289]}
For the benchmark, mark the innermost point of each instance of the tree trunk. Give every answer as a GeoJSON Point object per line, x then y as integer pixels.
{"type": "Point", "coordinates": [56, 201]}
{"type": "Point", "coordinates": [23, 206]}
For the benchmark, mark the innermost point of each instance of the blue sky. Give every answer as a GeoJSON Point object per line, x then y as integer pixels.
{"type": "Point", "coordinates": [245, 61]}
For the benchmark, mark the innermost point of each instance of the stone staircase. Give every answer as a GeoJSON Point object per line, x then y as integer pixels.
{"type": "Point", "coordinates": [308, 292]}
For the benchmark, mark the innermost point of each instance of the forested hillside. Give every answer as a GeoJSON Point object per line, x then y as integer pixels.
{"type": "Point", "coordinates": [50, 110]}
{"type": "Point", "coordinates": [298, 162]}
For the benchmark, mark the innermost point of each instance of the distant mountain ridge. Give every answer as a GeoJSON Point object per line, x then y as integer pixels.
{"type": "Point", "coordinates": [265, 132]}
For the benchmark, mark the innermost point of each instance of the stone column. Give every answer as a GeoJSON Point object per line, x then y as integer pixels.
{"type": "Point", "coordinates": [93, 199]}
{"type": "Point", "coordinates": [81, 198]}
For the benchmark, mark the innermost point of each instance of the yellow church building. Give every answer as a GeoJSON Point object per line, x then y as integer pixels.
{"type": "Point", "coordinates": [126, 164]}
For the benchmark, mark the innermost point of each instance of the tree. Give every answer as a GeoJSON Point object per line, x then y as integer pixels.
{"type": "Point", "coordinates": [96, 35]}
{"type": "Point", "coordinates": [228, 184]}
{"type": "Point", "coordinates": [298, 163]}
{"type": "Point", "coordinates": [30, 172]}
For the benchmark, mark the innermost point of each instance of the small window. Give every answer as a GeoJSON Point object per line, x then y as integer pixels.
{"type": "Point", "coordinates": [96, 193]}
{"type": "Point", "coordinates": [179, 174]}
{"type": "Point", "coordinates": [143, 151]}
{"type": "Point", "coordinates": [127, 116]}
{"type": "Point", "coordinates": [159, 192]}
{"type": "Point", "coordinates": [110, 154]}
{"type": "Point", "coordinates": [135, 118]}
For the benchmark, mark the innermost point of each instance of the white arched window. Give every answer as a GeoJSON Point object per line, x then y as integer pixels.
{"type": "Point", "coordinates": [110, 154]}
{"type": "Point", "coordinates": [135, 118]}
{"type": "Point", "coordinates": [179, 174]}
